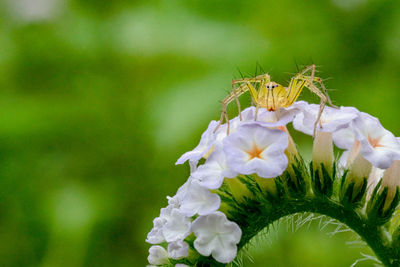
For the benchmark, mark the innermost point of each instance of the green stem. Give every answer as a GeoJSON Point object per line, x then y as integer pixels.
{"type": "Point", "coordinates": [374, 236]}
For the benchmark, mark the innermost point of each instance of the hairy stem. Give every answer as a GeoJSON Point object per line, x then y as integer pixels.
{"type": "Point", "coordinates": [375, 236]}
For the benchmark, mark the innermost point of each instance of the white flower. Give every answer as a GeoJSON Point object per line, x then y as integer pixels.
{"type": "Point", "coordinates": [391, 179]}
{"type": "Point", "coordinates": [247, 116]}
{"type": "Point", "coordinates": [157, 255]}
{"type": "Point", "coordinates": [374, 177]}
{"type": "Point", "coordinates": [178, 249]}
{"type": "Point", "coordinates": [171, 225]}
{"type": "Point", "coordinates": [343, 159]}
{"type": "Point", "coordinates": [344, 138]}
{"type": "Point", "coordinates": [365, 134]}
{"type": "Point", "coordinates": [209, 139]}
{"type": "Point", "coordinates": [182, 191]}
{"type": "Point", "coordinates": [199, 200]}
{"type": "Point", "coordinates": [281, 117]}
{"type": "Point", "coordinates": [378, 145]}
{"type": "Point", "coordinates": [216, 236]}
{"type": "Point", "coordinates": [173, 201]}
{"type": "Point", "coordinates": [177, 226]}
{"type": "Point", "coordinates": [331, 120]}
{"type": "Point", "coordinates": [155, 236]}
{"type": "Point", "coordinates": [256, 149]}
{"type": "Point", "coordinates": [212, 173]}
{"type": "Point", "coordinates": [323, 150]}
{"type": "Point", "coordinates": [206, 142]}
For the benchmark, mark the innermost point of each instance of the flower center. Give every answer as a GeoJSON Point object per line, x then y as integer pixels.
{"type": "Point", "coordinates": [374, 142]}
{"type": "Point", "coordinates": [255, 152]}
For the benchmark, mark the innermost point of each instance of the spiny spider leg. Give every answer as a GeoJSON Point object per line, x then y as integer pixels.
{"type": "Point", "coordinates": [299, 81]}
{"type": "Point", "coordinates": [233, 95]}
{"type": "Point", "coordinates": [321, 109]}
{"type": "Point", "coordinates": [237, 102]}
{"type": "Point", "coordinates": [255, 115]}
{"type": "Point", "coordinates": [257, 79]}
{"type": "Point", "coordinates": [320, 82]}
{"type": "Point", "coordinates": [316, 79]}
{"type": "Point", "coordinates": [322, 104]}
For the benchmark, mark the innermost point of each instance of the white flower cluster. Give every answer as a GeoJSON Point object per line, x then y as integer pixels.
{"type": "Point", "coordinates": [260, 147]}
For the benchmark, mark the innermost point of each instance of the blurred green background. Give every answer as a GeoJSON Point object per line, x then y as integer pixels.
{"type": "Point", "coordinates": [99, 98]}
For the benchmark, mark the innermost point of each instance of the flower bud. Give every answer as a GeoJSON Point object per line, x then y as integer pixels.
{"type": "Point", "coordinates": [323, 151]}
{"type": "Point", "coordinates": [391, 179]}
{"type": "Point", "coordinates": [360, 169]}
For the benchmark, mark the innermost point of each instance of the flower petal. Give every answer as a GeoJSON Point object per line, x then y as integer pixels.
{"type": "Point", "coordinates": [206, 142]}
{"type": "Point", "coordinates": [177, 226]}
{"type": "Point", "coordinates": [217, 236]}
{"type": "Point", "coordinates": [178, 249]}
{"type": "Point", "coordinates": [378, 145]}
{"type": "Point", "coordinates": [199, 200]}
{"type": "Point", "coordinates": [158, 255]}
{"type": "Point", "coordinates": [256, 149]}
{"type": "Point", "coordinates": [212, 173]}
{"type": "Point", "coordinates": [331, 120]}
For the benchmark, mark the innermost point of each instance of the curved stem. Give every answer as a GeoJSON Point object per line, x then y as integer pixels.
{"type": "Point", "coordinates": [375, 236]}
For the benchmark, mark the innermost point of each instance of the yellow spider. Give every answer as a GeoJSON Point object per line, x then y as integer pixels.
{"type": "Point", "coordinates": [273, 96]}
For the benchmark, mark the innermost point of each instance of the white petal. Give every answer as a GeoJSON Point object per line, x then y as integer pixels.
{"type": "Point", "coordinates": [157, 255]}
{"type": "Point", "coordinates": [391, 179]}
{"type": "Point", "coordinates": [182, 191]}
{"type": "Point", "coordinates": [217, 236]}
{"type": "Point", "coordinates": [378, 145]}
{"type": "Point", "coordinates": [177, 226]}
{"type": "Point", "coordinates": [156, 236]}
{"type": "Point", "coordinates": [344, 138]}
{"type": "Point", "coordinates": [199, 200]}
{"type": "Point", "coordinates": [178, 249]}
{"type": "Point", "coordinates": [343, 159]}
{"type": "Point", "coordinates": [271, 162]}
{"type": "Point", "coordinates": [206, 142]}
{"type": "Point", "coordinates": [331, 119]}
{"type": "Point", "coordinates": [212, 173]}
{"type": "Point", "coordinates": [275, 118]}
{"type": "Point", "coordinates": [209, 175]}
{"type": "Point", "coordinates": [374, 177]}
{"type": "Point", "coordinates": [173, 201]}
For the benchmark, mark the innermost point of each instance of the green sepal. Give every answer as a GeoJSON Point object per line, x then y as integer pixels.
{"type": "Point", "coordinates": [280, 188]}
{"type": "Point", "coordinates": [377, 214]}
{"type": "Point", "coordinates": [251, 185]}
{"type": "Point", "coordinates": [396, 239]}
{"type": "Point", "coordinates": [352, 194]}
{"type": "Point", "coordinates": [297, 186]}
{"type": "Point", "coordinates": [208, 262]}
{"type": "Point", "coordinates": [226, 195]}
{"type": "Point", "coordinates": [322, 185]}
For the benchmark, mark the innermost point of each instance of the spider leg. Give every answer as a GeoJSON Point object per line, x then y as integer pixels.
{"type": "Point", "coordinates": [321, 83]}
{"type": "Point", "coordinates": [294, 89]}
{"type": "Point", "coordinates": [257, 79]}
{"type": "Point", "coordinates": [296, 85]}
{"type": "Point", "coordinates": [312, 79]}
{"type": "Point", "coordinates": [236, 92]}
{"type": "Point", "coordinates": [322, 104]}
{"type": "Point", "coordinates": [321, 109]}
{"type": "Point", "coordinates": [255, 115]}
{"type": "Point", "coordinates": [237, 102]}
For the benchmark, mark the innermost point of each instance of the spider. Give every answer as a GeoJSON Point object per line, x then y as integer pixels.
{"type": "Point", "coordinates": [273, 96]}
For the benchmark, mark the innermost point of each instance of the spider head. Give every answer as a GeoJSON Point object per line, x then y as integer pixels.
{"type": "Point", "coordinates": [272, 85]}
